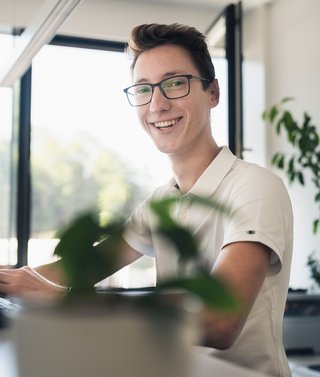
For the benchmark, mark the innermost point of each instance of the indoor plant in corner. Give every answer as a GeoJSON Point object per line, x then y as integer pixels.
{"type": "Point", "coordinates": [303, 163]}
{"type": "Point", "coordinates": [94, 334]}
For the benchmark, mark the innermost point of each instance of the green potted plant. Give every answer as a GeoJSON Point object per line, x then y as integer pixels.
{"type": "Point", "coordinates": [88, 332]}
{"type": "Point", "coordinates": [314, 265]}
{"type": "Point", "coordinates": [304, 161]}
{"type": "Point", "coordinates": [84, 263]}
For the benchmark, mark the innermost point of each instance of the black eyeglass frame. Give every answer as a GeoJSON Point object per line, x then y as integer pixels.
{"type": "Point", "coordinates": [187, 76]}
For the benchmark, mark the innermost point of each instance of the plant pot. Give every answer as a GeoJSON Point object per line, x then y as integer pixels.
{"type": "Point", "coordinates": [101, 340]}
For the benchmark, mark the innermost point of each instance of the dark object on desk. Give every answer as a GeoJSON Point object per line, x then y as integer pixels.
{"type": "Point", "coordinates": [126, 291]}
{"type": "Point", "coordinates": [6, 305]}
{"type": "Point", "coordinates": [301, 324]}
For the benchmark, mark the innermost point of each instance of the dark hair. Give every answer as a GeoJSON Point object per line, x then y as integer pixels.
{"type": "Point", "coordinates": [146, 36]}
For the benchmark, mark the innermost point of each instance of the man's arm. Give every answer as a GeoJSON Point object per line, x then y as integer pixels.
{"type": "Point", "coordinates": [48, 280]}
{"type": "Point", "coordinates": [27, 282]}
{"type": "Point", "coordinates": [242, 266]}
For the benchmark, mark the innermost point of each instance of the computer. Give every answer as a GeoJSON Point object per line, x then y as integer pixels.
{"type": "Point", "coordinates": [7, 305]}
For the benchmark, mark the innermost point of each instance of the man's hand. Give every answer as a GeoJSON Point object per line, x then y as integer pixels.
{"type": "Point", "coordinates": [26, 282]}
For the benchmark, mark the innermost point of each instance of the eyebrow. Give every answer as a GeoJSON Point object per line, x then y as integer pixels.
{"type": "Point", "coordinates": [166, 75]}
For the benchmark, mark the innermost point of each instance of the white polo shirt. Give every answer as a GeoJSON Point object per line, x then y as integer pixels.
{"type": "Point", "coordinates": [261, 213]}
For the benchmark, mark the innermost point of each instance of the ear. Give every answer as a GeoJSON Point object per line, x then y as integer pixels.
{"type": "Point", "coordinates": [214, 93]}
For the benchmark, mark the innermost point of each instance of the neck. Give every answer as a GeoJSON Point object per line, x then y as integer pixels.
{"type": "Point", "coordinates": [188, 168]}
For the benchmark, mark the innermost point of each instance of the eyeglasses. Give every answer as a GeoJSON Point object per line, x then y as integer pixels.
{"type": "Point", "coordinates": [172, 88]}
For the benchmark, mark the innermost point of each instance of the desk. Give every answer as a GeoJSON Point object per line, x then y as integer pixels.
{"type": "Point", "coordinates": [7, 358]}
{"type": "Point", "coordinates": [202, 364]}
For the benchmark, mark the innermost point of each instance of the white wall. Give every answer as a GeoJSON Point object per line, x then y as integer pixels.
{"type": "Point", "coordinates": [282, 58]}
{"type": "Point", "coordinates": [293, 62]}
{"type": "Point", "coordinates": [253, 70]}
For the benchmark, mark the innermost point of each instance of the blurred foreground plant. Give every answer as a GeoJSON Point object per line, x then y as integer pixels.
{"type": "Point", "coordinates": [85, 263]}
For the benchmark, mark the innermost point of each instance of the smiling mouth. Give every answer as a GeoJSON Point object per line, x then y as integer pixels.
{"type": "Point", "coordinates": [166, 123]}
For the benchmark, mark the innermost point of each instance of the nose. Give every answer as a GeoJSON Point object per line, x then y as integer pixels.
{"type": "Point", "coordinates": [159, 102]}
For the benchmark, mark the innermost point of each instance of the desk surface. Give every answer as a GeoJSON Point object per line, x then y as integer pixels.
{"type": "Point", "coordinates": [7, 356]}
{"type": "Point", "coordinates": [202, 365]}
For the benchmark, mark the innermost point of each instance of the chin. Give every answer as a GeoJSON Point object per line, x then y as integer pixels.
{"type": "Point", "coordinates": [165, 149]}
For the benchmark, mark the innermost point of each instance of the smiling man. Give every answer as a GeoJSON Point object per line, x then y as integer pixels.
{"type": "Point", "coordinates": [174, 90]}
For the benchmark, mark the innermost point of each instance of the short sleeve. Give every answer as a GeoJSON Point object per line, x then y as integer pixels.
{"type": "Point", "coordinates": [261, 213]}
{"type": "Point", "coordinates": [137, 231]}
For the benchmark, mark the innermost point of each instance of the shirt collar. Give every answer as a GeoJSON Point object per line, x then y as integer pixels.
{"type": "Point", "coordinates": [211, 178]}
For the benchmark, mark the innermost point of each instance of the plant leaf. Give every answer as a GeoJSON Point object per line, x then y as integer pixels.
{"type": "Point", "coordinates": [287, 99]}
{"type": "Point", "coordinates": [211, 291]}
{"type": "Point", "coordinates": [82, 261]}
{"type": "Point", "coordinates": [314, 266]}
{"type": "Point", "coordinates": [82, 231]}
{"type": "Point", "coordinates": [273, 113]}
{"type": "Point", "coordinates": [182, 239]}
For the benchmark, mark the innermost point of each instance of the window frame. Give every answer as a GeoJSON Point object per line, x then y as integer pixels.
{"type": "Point", "coordinates": [231, 16]}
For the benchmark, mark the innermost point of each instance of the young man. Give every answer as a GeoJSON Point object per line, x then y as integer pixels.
{"type": "Point", "coordinates": [174, 88]}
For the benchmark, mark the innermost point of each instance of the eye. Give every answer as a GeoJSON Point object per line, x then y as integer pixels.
{"type": "Point", "coordinates": [175, 83]}
{"type": "Point", "coordinates": [142, 90]}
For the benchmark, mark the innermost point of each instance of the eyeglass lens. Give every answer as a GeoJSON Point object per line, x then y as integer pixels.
{"type": "Point", "coordinates": [172, 87]}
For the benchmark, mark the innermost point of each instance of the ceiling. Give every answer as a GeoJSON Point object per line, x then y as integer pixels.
{"type": "Point", "coordinates": [42, 19]}
{"type": "Point", "coordinates": [212, 3]}
{"type": "Point", "coordinates": [218, 3]}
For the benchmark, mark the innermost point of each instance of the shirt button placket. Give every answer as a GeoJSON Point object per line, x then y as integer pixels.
{"type": "Point", "coordinates": [183, 213]}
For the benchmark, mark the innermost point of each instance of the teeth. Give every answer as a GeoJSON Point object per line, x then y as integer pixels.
{"type": "Point", "coordinates": [167, 123]}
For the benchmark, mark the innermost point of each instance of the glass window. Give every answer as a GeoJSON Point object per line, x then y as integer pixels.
{"type": "Point", "coordinates": [8, 242]}
{"type": "Point", "coordinates": [219, 115]}
{"type": "Point", "coordinates": [87, 150]}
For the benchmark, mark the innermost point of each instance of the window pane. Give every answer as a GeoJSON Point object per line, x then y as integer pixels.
{"type": "Point", "coordinates": [87, 149]}
{"type": "Point", "coordinates": [219, 115]}
{"type": "Point", "coordinates": [8, 243]}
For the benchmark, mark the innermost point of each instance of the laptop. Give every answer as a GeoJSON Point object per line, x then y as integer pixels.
{"type": "Point", "coordinates": [7, 305]}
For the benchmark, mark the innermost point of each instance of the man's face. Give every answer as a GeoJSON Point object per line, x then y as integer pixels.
{"type": "Point", "coordinates": [175, 125]}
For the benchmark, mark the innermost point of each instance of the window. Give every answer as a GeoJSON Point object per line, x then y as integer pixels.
{"type": "Point", "coordinates": [225, 36]}
{"type": "Point", "coordinates": [8, 159]}
{"type": "Point", "coordinates": [87, 150]}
